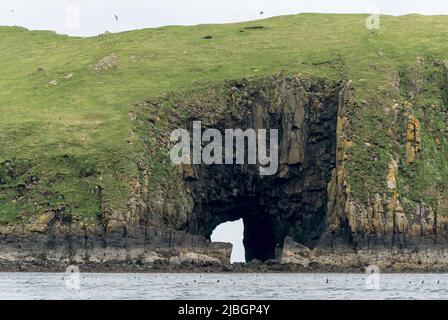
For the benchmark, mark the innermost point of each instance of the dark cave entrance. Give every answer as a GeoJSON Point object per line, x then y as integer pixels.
{"type": "Point", "coordinates": [259, 239]}
{"type": "Point", "coordinates": [292, 202]}
{"type": "Point", "coordinates": [261, 235]}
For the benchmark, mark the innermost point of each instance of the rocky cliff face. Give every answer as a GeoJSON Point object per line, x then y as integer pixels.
{"type": "Point", "coordinates": [292, 202]}
{"type": "Point", "coordinates": [382, 222]}
{"type": "Point", "coordinates": [310, 201]}
{"type": "Point", "coordinates": [307, 214]}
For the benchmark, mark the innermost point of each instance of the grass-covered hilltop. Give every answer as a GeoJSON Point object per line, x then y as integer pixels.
{"type": "Point", "coordinates": [84, 126]}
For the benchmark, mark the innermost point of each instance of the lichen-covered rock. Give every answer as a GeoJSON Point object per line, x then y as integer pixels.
{"type": "Point", "coordinates": [294, 252]}
{"type": "Point", "coordinates": [42, 223]}
{"type": "Point", "coordinates": [105, 64]}
{"type": "Point", "coordinates": [192, 257]}
{"type": "Point", "coordinates": [413, 139]}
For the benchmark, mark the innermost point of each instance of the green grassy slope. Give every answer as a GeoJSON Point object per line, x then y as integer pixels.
{"type": "Point", "coordinates": [77, 134]}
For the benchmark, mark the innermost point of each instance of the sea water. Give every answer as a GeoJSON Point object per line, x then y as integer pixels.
{"type": "Point", "coordinates": [223, 286]}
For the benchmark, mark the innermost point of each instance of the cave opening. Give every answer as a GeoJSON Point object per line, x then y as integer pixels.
{"type": "Point", "coordinates": [252, 237]}
{"type": "Point", "coordinates": [293, 202]}
{"type": "Point", "coordinates": [259, 239]}
{"type": "Point", "coordinates": [231, 232]}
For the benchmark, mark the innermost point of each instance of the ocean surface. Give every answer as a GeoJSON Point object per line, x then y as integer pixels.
{"type": "Point", "coordinates": [222, 286]}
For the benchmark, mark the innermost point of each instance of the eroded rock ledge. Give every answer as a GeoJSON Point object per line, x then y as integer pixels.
{"type": "Point", "coordinates": [304, 218]}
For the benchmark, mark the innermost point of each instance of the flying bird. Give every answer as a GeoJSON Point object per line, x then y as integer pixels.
{"type": "Point", "coordinates": [261, 13]}
{"type": "Point", "coordinates": [116, 17]}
